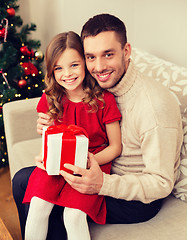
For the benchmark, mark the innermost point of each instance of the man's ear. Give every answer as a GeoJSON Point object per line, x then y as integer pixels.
{"type": "Point", "coordinates": [127, 54]}
{"type": "Point", "coordinates": [127, 51]}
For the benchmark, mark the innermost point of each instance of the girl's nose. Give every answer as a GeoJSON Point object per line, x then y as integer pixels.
{"type": "Point", "coordinates": [67, 72]}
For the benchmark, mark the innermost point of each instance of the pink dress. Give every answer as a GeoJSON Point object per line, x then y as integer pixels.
{"type": "Point", "coordinates": [54, 189]}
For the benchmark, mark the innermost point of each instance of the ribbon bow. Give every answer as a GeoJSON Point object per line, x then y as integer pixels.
{"type": "Point", "coordinates": [71, 129]}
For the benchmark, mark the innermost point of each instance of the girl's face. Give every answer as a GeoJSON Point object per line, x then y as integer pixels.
{"type": "Point", "coordinates": [69, 71]}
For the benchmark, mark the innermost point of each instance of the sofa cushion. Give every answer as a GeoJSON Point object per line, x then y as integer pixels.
{"type": "Point", "coordinates": [174, 78]}
{"type": "Point", "coordinates": [169, 223]}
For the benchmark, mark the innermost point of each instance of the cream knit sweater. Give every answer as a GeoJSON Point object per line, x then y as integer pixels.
{"type": "Point", "coordinates": [151, 136]}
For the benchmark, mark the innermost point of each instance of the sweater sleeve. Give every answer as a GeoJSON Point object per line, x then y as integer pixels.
{"type": "Point", "coordinates": [158, 176]}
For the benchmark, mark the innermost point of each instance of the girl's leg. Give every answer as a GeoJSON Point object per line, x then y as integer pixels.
{"type": "Point", "coordinates": [37, 219]}
{"type": "Point", "coordinates": [76, 225]}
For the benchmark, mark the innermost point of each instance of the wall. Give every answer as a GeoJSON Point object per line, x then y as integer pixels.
{"type": "Point", "coordinates": [158, 27]}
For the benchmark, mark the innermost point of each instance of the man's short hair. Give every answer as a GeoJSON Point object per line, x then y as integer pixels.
{"type": "Point", "coordinates": [103, 23]}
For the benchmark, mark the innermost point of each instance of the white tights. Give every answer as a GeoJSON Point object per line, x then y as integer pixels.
{"type": "Point", "coordinates": [76, 224]}
{"type": "Point", "coordinates": [37, 221]}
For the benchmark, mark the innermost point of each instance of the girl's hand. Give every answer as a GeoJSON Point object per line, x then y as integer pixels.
{"type": "Point", "coordinates": [43, 120]}
{"type": "Point", "coordinates": [39, 162]}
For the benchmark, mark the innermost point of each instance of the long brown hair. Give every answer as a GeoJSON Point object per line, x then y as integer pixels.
{"type": "Point", "coordinates": [54, 91]}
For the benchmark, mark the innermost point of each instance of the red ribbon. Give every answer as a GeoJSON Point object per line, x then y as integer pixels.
{"type": "Point", "coordinates": [68, 143]}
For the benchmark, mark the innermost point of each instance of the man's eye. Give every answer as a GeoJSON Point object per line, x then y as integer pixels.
{"type": "Point", "coordinates": [108, 55]}
{"type": "Point", "coordinates": [90, 58]}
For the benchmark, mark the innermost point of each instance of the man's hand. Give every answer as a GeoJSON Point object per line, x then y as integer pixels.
{"type": "Point", "coordinates": [90, 180]}
{"type": "Point", "coordinates": [39, 162]}
{"type": "Point", "coordinates": [43, 120]}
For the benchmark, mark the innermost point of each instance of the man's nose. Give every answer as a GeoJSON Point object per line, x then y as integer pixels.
{"type": "Point", "coordinates": [100, 65]}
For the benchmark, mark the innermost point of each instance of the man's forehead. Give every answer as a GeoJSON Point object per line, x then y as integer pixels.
{"type": "Point", "coordinates": [103, 42]}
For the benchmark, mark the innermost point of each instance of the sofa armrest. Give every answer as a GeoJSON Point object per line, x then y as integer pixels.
{"type": "Point", "coordinates": [20, 120]}
{"type": "Point", "coordinates": [20, 127]}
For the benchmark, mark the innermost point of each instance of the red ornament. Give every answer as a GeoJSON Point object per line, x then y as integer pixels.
{"type": "Point", "coordinates": [31, 53]}
{"type": "Point", "coordinates": [2, 32]}
{"type": "Point", "coordinates": [30, 69]}
{"type": "Point", "coordinates": [11, 12]}
{"type": "Point", "coordinates": [26, 52]}
{"type": "Point", "coordinates": [22, 83]}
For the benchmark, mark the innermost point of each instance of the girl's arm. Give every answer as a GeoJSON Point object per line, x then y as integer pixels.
{"type": "Point", "coordinates": [114, 148]}
{"type": "Point", "coordinates": [39, 161]}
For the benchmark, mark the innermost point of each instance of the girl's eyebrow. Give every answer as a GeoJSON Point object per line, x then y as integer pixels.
{"type": "Point", "coordinates": [75, 61]}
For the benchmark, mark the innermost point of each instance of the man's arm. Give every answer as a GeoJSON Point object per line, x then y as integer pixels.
{"type": "Point", "coordinates": [156, 181]}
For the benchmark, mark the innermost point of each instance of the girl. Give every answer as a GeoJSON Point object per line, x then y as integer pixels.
{"type": "Point", "coordinates": [72, 97]}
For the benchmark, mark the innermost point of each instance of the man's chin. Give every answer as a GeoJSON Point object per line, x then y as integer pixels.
{"type": "Point", "coordinates": [104, 85]}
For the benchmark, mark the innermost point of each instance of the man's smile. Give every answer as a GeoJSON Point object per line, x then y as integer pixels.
{"type": "Point", "coordinates": [103, 76]}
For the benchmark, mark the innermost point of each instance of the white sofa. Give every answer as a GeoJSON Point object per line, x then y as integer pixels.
{"type": "Point", "coordinates": [171, 222]}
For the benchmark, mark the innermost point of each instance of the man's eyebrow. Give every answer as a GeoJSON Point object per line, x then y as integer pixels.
{"type": "Point", "coordinates": [109, 50]}
{"type": "Point", "coordinates": [104, 52]}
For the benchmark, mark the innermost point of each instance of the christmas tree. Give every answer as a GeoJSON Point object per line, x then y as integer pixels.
{"type": "Point", "coordinates": [21, 76]}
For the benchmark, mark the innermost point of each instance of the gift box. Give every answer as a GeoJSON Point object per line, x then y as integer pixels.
{"type": "Point", "coordinates": [64, 144]}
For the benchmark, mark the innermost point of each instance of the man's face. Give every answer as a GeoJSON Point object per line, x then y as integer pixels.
{"type": "Point", "coordinates": [105, 58]}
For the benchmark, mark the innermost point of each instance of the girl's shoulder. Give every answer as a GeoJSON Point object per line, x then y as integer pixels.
{"type": "Point", "coordinates": [108, 95]}
{"type": "Point", "coordinates": [43, 105]}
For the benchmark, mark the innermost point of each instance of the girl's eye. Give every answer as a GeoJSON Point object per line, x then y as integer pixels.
{"type": "Point", "coordinates": [74, 65]}
{"type": "Point", "coordinates": [57, 68]}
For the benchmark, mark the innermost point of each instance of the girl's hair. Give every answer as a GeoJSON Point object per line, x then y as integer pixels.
{"type": "Point", "coordinates": [54, 91]}
{"type": "Point", "coordinates": [103, 23]}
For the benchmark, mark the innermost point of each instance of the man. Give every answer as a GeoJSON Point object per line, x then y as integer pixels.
{"type": "Point", "coordinates": [146, 171]}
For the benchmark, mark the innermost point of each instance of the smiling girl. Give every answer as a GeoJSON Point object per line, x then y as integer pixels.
{"type": "Point", "coordinates": [72, 96]}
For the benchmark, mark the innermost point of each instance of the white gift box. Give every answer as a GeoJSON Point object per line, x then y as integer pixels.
{"type": "Point", "coordinates": [57, 151]}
